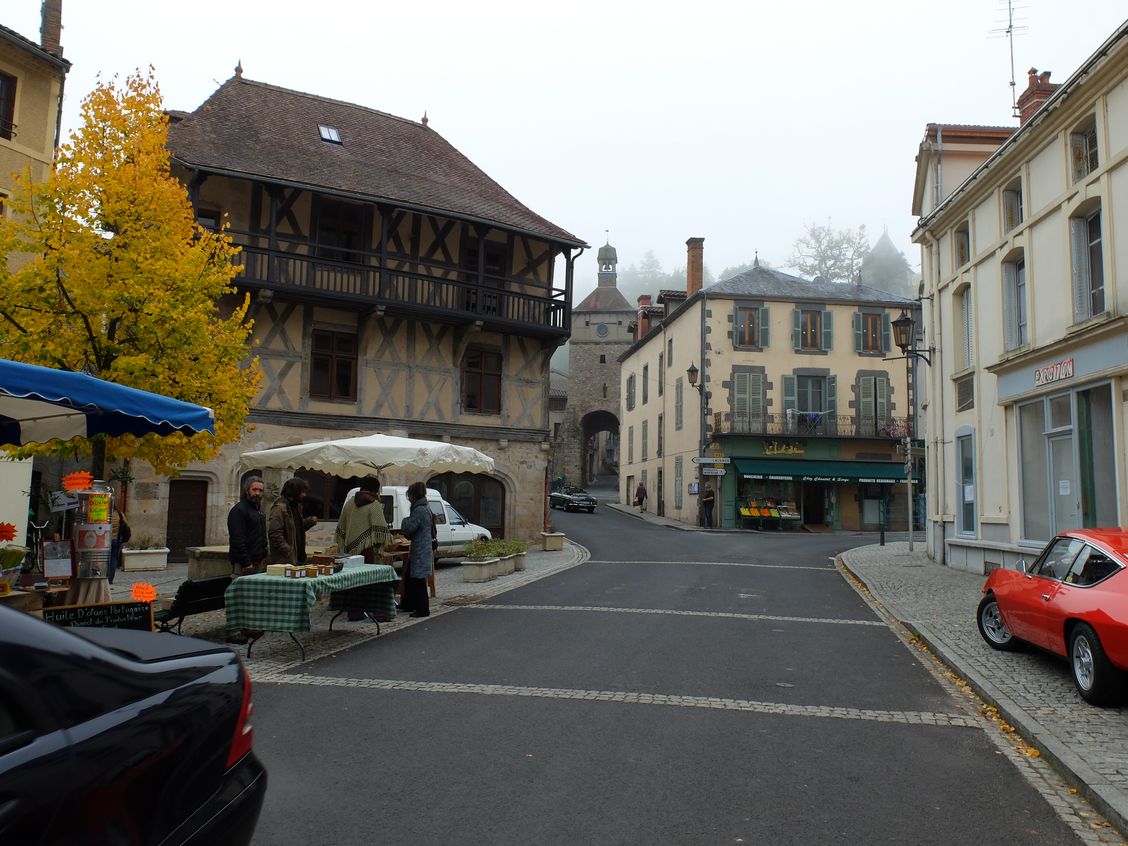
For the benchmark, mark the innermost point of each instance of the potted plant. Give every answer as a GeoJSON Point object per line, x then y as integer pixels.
{"type": "Point", "coordinates": [478, 565]}
{"type": "Point", "coordinates": [519, 547]}
{"type": "Point", "coordinates": [505, 553]}
{"type": "Point", "coordinates": [144, 552]}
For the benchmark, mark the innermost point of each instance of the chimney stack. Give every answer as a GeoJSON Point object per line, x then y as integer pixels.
{"type": "Point", "coordinates": [51, 27]}
{"type": "Point", "coordinates": [694, 265]}
{"type": "Point", "coordinates": [643, 330]}
{"type": "Point", "coordinates": [1038, 90]}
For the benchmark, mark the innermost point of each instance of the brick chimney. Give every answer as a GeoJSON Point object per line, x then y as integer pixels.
{"type": "Point", "coordinates": [643, 329]}
{"type": "Point", "coordinates": [51, 26]}
{"type": "Point", "coordinates": [1038, 90]}
{"type": "Point", "coordinates": [694, 265]}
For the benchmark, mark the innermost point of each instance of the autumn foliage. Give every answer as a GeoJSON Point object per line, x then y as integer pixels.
{"type": "Point", "coordinates": [110, 274]}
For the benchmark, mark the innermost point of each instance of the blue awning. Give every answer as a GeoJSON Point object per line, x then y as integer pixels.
{"type": "Point", "coordinates": [820, 470]}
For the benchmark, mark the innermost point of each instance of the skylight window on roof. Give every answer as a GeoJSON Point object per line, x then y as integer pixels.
{"type": "Point", "coordinates": [329, 133]}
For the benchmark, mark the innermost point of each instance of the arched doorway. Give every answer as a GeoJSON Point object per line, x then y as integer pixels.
{"type": "Point", "coordinates": [599, 457]}
{"type": "Point", "coordinates": [480, 499]}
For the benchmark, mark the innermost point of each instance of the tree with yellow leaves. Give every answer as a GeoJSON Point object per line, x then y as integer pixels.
{"type": "Point", "coordinates": [109, 273]}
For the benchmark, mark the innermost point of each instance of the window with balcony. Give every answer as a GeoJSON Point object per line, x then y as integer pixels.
{"type": "Point", "coordinates": [481, 381]}
{"type": "Point", "coordinates": [1083, 149]}
{"type": "Point", "coordinates": [809, 399]}
{"type": "Point", "coordinates": [333, 365]}
{"type": "Point", "coordinates": [1015, 329]}
{"type": "Point", "coordinates": [7, 106]}
{"type": "Point", "coordinates": [339, 232]}
{"type": "Point", "coordinates": [872, 333]}
{"type": "Point", "coordinates": [812, 330]}
{"type": "Point", "coordinates": [1012, 205]}
{"type": "Point", "coordinates": [748, 402]}
{"type": "Point", "coordinates": [873, 403]}
{"type": "Point", "coordinates": [750, 326]}
{"type": "Point", "coordinates": [1087, 260]}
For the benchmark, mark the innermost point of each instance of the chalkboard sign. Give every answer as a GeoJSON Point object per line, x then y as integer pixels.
{"type": "Point", "coordinates": [108, 615]}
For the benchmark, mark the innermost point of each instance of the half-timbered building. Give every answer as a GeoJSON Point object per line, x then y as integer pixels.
{"type": "Point", "coordinates": [395, 288]}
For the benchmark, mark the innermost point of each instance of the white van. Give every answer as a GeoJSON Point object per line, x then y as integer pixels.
{"type": "Point", "coordinates": [454, 530]}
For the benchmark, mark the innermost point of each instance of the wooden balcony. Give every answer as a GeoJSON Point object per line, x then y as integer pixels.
{"type": "Point", "coordinates": [811, 424]}
{"type": "Point", "coordinates": [428, 289]}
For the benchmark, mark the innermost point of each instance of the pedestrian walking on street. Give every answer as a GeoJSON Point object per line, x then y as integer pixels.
{"type": "Point", "coordinates": [416, 527]}
{"type": "Point", "coordinates": [246, 530]}
{"type": "Point", "coordinates": [708, 498]}
{"type": "Point", "coordinates": [286, 526]}
{"type": "Point", "coordinates": [640, 496]}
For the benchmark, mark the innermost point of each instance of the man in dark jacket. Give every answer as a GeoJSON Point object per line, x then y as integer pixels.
{"type": "Point", "coordinates": [246, 528]}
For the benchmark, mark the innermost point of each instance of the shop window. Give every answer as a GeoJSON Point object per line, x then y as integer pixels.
{"type": "Point", "coordinates": [481, 381]}
{"type": "Point", "coordinates": [477, 499]}
{"type": "Point", "coordinates": [333, 365]}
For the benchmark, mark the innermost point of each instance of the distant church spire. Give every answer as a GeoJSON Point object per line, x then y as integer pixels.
{"type": "Point", "coordinates": [756, 259]}
{"type": "Point", "coordinates": [608, 260]}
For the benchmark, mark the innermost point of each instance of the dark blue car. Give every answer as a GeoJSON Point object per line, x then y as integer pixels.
{"type": "Point", "coordinates": [120, 736]}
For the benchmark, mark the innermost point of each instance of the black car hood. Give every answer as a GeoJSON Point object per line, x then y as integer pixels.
{"type": "Point", "coordinates": [147, 647]}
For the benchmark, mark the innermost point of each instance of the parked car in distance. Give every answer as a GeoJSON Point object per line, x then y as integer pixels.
{"type": "Point", "coordinates": [571, 498]}
{"type": "Point", "coordinates": [1072, 601]}
{"type": "Point", "coordinates": [123, 736]}
{"type": "Point", "coordinates": [454, 531]}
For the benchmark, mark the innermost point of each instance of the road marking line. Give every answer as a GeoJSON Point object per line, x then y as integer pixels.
{"type": "Point", "coordinates": [929, 718]}
{"type": "Point", "coordinates": [725, 614]}
{"type": "Point", "coordinates": [722, 564]}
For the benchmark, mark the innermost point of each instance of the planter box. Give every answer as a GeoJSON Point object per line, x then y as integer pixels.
{"type": "Point", "coordinates": [144, 559]}
{"type": "Point", "coordinates": [505, 565]}
{"type": "Point", "coordinates": [552, 541]}
{"type": "Point", "coordinates": [478, 571]}
{"type": "Point", "coordinates": [519, 562]}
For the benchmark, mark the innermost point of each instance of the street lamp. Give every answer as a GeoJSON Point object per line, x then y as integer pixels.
{"type": "Point", "coordinates": [904, 337]}
{"type": "Point", "coordinates": [691, 374]}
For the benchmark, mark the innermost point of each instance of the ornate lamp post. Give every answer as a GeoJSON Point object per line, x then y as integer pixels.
{"type": "Point", "coordinates": [904, 337]}
{"type": "Point", "coordinates": [691, 374]}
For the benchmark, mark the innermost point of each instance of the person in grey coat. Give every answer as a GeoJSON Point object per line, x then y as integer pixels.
{"type": "Point", "coordinates": [416, 527]}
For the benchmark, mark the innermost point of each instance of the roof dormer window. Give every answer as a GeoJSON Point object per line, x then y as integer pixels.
{"type": "Point", "coordinates": [329, 133]}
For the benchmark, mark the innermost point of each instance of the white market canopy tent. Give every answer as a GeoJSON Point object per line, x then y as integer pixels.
{"type": "Point", "coordinates": [369, 454]}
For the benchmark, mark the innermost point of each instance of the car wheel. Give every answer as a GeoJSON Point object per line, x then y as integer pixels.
{"type": "Point", "coordinates": [1096, 679]}
{"type": "Point", "coordinates": [992, 626]}
{"type": "Point", "coordinates": [591, 510]}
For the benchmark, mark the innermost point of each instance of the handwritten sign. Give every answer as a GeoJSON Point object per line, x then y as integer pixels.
{"type": "Point", "coordinates": [107, 615]}
{"type": "Point", "coordinates": [98, 508]}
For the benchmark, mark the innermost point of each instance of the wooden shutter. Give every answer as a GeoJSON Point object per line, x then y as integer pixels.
{"type": "Point", "coordinates": [831, 401]}
{"type": "Point", "coordinates": [756, 401]}
{"type": "Point", "coordinates": [740, 388]}
{"type": "Point", "coordinates": [796, 323]}
{"type": "Point", "coordinates": [881, 391]}
{"type": "Point", "coordinates": [765, 328]}
{"type": "Point", "coordinates": [886, 333]}
{"type": "Point", "coordinates": [1079, 267]}
{"type": "Point", "coordinates": [789, 393]}
{"type": "Point", "coordinates": [866, 398]}
{"type": "Point", "coordinates": [827, 329]}
{"type": "Point", "coordinates": [1010, 305]}
{"type": "Point", "coordinates": [858, 340]}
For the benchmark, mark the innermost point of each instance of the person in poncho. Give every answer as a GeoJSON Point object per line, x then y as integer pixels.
{"type": "Point", "coordinates": [361, 528]}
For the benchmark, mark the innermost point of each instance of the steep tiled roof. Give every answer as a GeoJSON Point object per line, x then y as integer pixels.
{"type": "Point", "coordinates": [604, 299]}
{"type": "Point", "coordinates": [766, 283]}
{"type": "Point", "coordinates": [264, 132]}
{"type": "Point", "coordinates": [34, 49]}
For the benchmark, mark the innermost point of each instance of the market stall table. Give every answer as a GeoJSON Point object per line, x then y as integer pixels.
{"type": "Point", "coordinates": [265, 603]}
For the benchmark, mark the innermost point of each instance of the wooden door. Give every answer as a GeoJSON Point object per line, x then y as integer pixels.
{"type": "Point", "coordinates": [187, 516]}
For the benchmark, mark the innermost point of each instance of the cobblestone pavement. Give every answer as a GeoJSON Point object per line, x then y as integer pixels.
{"type": "Point", "coordinates": [1032, 690]}
{"type": "Point", "coordinates": [276, 653]}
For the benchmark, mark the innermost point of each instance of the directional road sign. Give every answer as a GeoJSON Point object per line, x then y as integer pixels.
{"type": "Point", "coordinates": [712, 471]}
{"type": "Point", "coordinates": [711, 459]}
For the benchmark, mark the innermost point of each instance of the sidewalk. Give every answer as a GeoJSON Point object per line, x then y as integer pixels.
{"type": "Point", "coordinates": [276, 653]}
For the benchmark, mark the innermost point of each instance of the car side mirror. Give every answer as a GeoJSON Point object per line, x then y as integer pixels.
{"type": "Point", "coordinates": [1021, 566]}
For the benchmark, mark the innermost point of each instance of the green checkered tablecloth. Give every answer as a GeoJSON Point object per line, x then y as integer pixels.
{"type": "Point", "coordinates": [276, 604]}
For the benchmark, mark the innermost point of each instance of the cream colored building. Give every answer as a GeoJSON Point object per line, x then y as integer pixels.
{"type": "Point", "coordinates": [1025, 265]}
{"type": "Point", "coordinates": [799, 401]}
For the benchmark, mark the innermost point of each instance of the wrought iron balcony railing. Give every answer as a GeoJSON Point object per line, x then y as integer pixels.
{"type": "Point", "coordinates": [426, 288]}
{"type": "Point", "coordinates": [810, 424]}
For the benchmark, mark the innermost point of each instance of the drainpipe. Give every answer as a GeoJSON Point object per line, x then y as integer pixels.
{"type": "Point", "coordinates": [939, 164]}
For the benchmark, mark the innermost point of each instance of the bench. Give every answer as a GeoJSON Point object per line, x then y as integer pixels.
{"type": "Point", "coordinates": [194, 596]}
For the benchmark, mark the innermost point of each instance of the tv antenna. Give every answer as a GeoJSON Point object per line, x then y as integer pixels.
{"type": "Point", "coordinates": [1009, 31]}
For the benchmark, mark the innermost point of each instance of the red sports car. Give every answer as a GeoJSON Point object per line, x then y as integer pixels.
{"type": "Point", "coordinates": [1072, 601]}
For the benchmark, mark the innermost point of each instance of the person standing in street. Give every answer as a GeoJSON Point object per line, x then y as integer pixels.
{"type": "Point", "coordinates": [416, 527]}
{"type": "Point", "coordinates": [246, 530]}
{"type": "Point", "coordinates": [640, 496]}
{"type": "Point", "coordinates": [286, 527]}
{"type": "Point", "coordinates": [361, 528]}
{"type": "Point", "coordinates": [708, 498]}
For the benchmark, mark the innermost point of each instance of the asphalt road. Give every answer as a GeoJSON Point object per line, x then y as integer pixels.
{"type": "Point", "coordinates": [678, 688]}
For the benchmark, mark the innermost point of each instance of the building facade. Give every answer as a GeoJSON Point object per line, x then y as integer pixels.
{"type": "Point", "coordinates": [395, 288]}
{"type": "Point", "coordinates": [783, 380]}
{"type": "Point", "coordinates": [1024, 267]}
